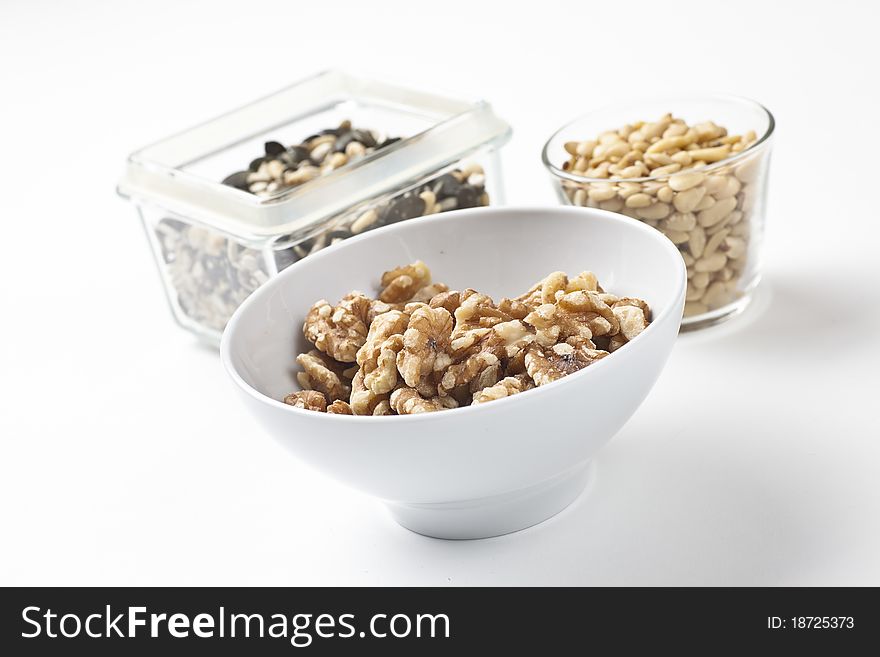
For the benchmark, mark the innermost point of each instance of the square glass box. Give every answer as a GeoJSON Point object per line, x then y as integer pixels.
{"type": "Point", "coordinates": [214, 244]}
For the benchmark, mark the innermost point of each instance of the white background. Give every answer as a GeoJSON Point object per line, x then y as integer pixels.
{"type": "Point", "coordinates": [126, 458]}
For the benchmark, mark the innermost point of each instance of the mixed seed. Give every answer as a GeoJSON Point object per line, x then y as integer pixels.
{"type": "Point", "coordinates": [458, 189]}
{"type": "Point", "coordinates": [212, 273]}
{"type": "Point", "coordinates": [659, 173]}
{"type": "Point", "coordinates": [285, 167]}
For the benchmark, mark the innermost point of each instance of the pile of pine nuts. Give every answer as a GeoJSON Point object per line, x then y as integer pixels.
{"type": "Point", "coordinates": [665, 174]}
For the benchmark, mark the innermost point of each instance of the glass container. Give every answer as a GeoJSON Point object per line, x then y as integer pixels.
{"type": "Point", "coordinates": [714, 210]}
{"type": "Point", "coordinates": [219, 213]}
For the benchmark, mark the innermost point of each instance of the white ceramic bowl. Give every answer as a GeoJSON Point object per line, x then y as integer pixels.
{"type": "Point", "coordinates": [482, 470]}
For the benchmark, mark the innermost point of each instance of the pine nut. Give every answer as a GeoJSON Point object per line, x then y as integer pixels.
{"type": "Point", "coordinates": [689, 199]}
{"type": "Point", "coordinates": [714, 262]}
{"type": "Point", "coordinates": [716, 213]}
{"type": "Point", "coordinates": [617, 149]}
{"type": "Point", "coordinates": [652, 188]}
{"type": "Point", "coordinates": [735, 217]}
{"type": "Point", "coordinates": [705, 203]}
{"type": "Point", "coordinates": [627, 189]}
{"type": "Point", "coordinates": [720, 225]}
{"type": "Point", "coordinates": [710, 154]}
{"type": "Point", "coordinates": [656, 211]}
{"type": "Point", "coordinates": [631, 172]}
{"type": "Point", "coordinates": [728, 189]}
{"type": "Point", "coordinates": [684, 158]}
{"type": "Point", "coordinates": [703, 207]}
{"type": "Point", "coordinates": [714, 242]}
{"type": "Point", "coordinates": [684, 222]}
{"type": "Point", "coordinates": [708, 130]}
{"type": "Point", "coordinates": [665, 171]}
{"type": "Point", "coordinates": [734, 247]}
{"type": "Point", "coordinates": [639, 200]}
{"type": "Point", "coordinates": [654, 130]}
{"type": "Point", "coordinates": [693, 293]}
{"type": "Point", "coordinates": [658, 159]}
{"type": "Point", "coordinates": [614, 205]}
{"type": "Point", "coordinates": [665, 194]}
{"type": "Point", "coordinates": [741, 230]}
{"type": "Point", "coordinates": [636, 136]}
{"type": "Point", "coordinates": [685, 180]}
{"type": "Point", "coordinates": [602, 192]}
{"type": "Point", "coordinates": [700, 279]}
{"type": "Point", "coordinates": [677, 237]}
{"type": "Point", "coordinates": [716, 295]}
{"type": "Point", "coordinates": [675, 130]}
{"type": "Point", "coordinates": [585, 148]}
{"type": "Point", "coordinates": [669, 143]}
{"type": "Point", "coordinates": [697, 242]}
{"type": "Point", "coordinates": [715, 184]}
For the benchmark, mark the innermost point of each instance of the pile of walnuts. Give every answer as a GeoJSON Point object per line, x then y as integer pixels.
{"type": "Point", "coordinates": [422, 347]}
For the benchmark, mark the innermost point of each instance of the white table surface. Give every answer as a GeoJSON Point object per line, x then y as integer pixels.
{"type": "Point", "coordinates": [126, 458]}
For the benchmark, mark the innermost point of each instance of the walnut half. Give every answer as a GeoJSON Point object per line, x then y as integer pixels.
{"type": "Point", "coordinates": [401, 284]}
{"type": "Point", "coordinates": [378, 357]}
{"type": "Point", "coordinates": [426, 345]}
{"type": "Point", "coordinates": [504, 388]}
{"type": "Point", "coordinates": [310, 400]}
{"type": "Point", "coordinates": [407, 401]}
{"type": "Point", "coordinates": [548, 364]}
{"type": "Point", "coordinates": [341, 330]}
{"type": "Point", "coordinates": [322, 373]}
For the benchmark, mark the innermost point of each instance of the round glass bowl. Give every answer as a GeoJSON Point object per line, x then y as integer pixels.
{"type": "Point", "coordinates": [713, 212]}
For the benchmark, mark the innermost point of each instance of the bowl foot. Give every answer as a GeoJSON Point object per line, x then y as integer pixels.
{"type": "Point", "coordinates": [495, 515]}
